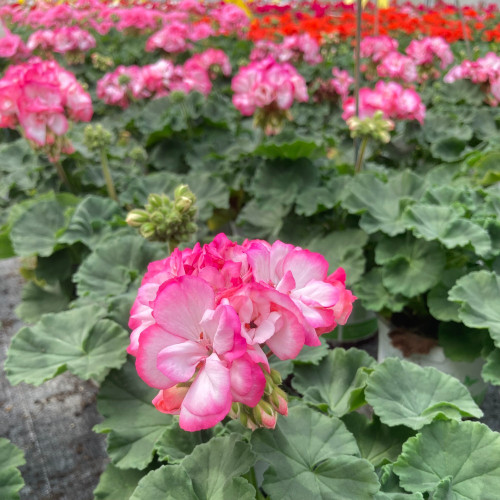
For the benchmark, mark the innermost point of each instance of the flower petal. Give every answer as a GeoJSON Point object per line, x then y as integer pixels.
{"type": "Point", "coordinates": [306, 266]}
{"type": "Point", "coordinates": [247, 381]}
{"type": "Point", "coordinates": [179, 361]}
{"type": "Point", "coordinates": [151, 342]}
{"type": "Point", "coordinates": [180, 305]}
{"type": "Point", "coordinates": [209, 399]}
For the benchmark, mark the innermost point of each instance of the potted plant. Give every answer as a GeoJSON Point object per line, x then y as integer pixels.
{"type": "Point", "coordinates": [427, 243]}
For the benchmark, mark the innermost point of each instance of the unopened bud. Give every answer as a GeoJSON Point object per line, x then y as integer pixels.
{"type": "Point", "coordinates": [137, 217]}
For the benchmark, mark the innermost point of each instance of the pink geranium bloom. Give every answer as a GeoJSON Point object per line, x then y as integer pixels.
{"type": "Point", "coordinates": [195, 341]}
{"type": "Point", "coordinates": [303, 276]}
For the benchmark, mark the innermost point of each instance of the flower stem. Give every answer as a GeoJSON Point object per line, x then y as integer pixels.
{"type": "Point", "coordinates": [107, 175]}
{"type": "Point", "coordinates": [359, 159]}
{"type": "Point", "coordinates": [464, 29]}
{"type": "Point", "coordinates": [62, 174]}
{"type": "Point", "coordinates": [357, 75]}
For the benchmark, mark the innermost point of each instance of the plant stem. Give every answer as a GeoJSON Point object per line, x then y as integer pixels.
{"type": "Point", "coordinates": [172, 245]}
{"type": "Point", "coordinates": [62, 174]}
{"type": "Point", "coordinates": [357, 75]}
{"type": "Point", "coordinates": [359, 159]}
{"type": "Point", "coordinates": [107, 175]}
{"type": "Point", "coordinates": [464, 29]}
{"type": "Point", "coordinates": [377, 12]}
{"type": "Point", "coordinates": [252, 479]}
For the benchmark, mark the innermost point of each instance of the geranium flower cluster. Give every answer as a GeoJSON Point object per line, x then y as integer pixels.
{"type": "Point", "coordinates": [293, 48]}
{"type": "Point", "coordinates": [395, 102]}
{"type": "Point", "coordinates": [377, 47]}
{"type": "Point", "coordinates": [206, 319]}
{"type": "Point", "coordinates": [12, 46]}
{"type": "Point", "coordinates": [335, 89]}
{"type": "Point", "coordinates": [61, 40]}
{"type": "Point", "coordinates": [484, 71]}
{"type": "Point", "coordinates": [430, 51]}
{"type": "Point", "coordinates": [40, 97]}
{"type": "Point", "coordinates": [128, 83]}
{"type": "Point", "coordinates": [270, 88]}
{"type": "Point", "coordinates": [398, 67]}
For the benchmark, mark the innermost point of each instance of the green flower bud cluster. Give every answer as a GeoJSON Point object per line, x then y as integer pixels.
{"type": "Point", "coordinates": [96, 137]}
{"type": "Point", "coordinates": [271, 120]}
{"type": "Point", "coordinates": [100, 62]}
{"type": "Point", "coordinates": [377, 127]}
{"type": "Point", "coordinates": [138, 154]}
{"type": "Point", "coordinates": [163, 219]}
{"type": "Point", "coordinates": [265, 413]}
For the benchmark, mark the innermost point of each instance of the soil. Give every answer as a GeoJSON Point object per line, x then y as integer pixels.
{"type": "Point", "coordinates": [53, 423]}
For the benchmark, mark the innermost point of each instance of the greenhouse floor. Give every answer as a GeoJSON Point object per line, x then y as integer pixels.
{"type": "Point", "coordinates": [53, 423]}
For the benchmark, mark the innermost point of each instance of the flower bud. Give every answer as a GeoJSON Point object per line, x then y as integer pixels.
{"type": "Point", "coordinates": [137, 217]}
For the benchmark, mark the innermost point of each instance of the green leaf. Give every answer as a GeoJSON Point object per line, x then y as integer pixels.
{"type": "Point", "coordinates": [403, 393]}
{"type": "Point", "coordinates": [210, 192]}
{"type": "Point", "coordinates": [281, 180]}
{"type": "Point", "coordinates": [213, 466]}
{"type": "Point", "coordinates": [170, 482]}
{"type": "Point", "coordinates": [115, 266]}
{"type": "Point", "coordinates": [211, 472]}
{"type": "Point", "coordinates": [175, 443]}
{"type": "Point", "coordinates": [411, 266]}
{"type": "Point", "coordinates": [437, 298]}
{"type": "Point", "coordinates": [11, 481]}
{"type": "Point", "coordinates": [36, 301]}
{"type": "Point", "coordinates": [343, 249]}
{"type": "Point", "coordinates": [117, 484]}
{"type": "Point", "coordinates": [377, 442]}
{"type": "Point", "coordinates": [336, 385]}
{"type": "Point", "coordinates": [491, 369]}
{"type": "Point", "coordinates": [466, 452]}
{"type": "Point", "coordinates": [461, 343]}
{"type": "Point", "coordinates": [448, 149]}
{"type": "Point", "coordinates": [90, 221]}
{"type": "Point", "coordinates": [133, 424]}
{"type": "Point", "coordinates": [140, 188]}
{"type": "Point", "coordinates": [78, 340]}
{"type": "Point", "coordinates": [381, 204]}
{"type": "Point", "coordinates": [36, 231]}
{"type": "Point", "coordinates": [314, 199]}
{"type": "Point", "coordinates": [262, 220]}
{"type": "Point", "coordinates": [310, 457]}
{"type": "Point", "coordinates": [442, 223]}
{"type": "Point", "coordinates": [477, 293]}
{"type": "Point", "coordinates": [290, 146]}
{"type": "Point", "coordinates": [373, 294]}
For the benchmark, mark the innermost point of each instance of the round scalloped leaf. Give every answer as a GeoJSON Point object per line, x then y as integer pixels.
{"type": "Point", "coordinates": [214, 466]}
{"type": "Point", "coordinates": [491, 369]}
{"type": "Point", "coordinates": [175, 443]}
{"type": "Point", "coordinates": [37, 229]}
{"type": "Point", "coordinates": [478, 294]}
{"type": "Point", "coordinates": [416, 265]}
{"type": "Point", "coordinates": [11, 481]}
{"type": "Point", "coordinates": [461, 343]}
{"type": "Point", "coordinates": [377, 442]}
{"type": "Point", "coordinates": [90, 221]}
{"type": "Point", "coordinates": [37, 301]}
{"type": "Point", "coordinates": [381, 204]}
{"type": "Point", "coordinates": [290, 146]}
{"type": "Point", "coordinates": [78, 340]}
{"type": "Point", "coordinates": [117, 484]}
{"type": "Point", "coordinates": [442, 223]}
{"type": "Point", "coordinates": [374, 296]}
{"type": "Point", "coordinates": [336, 384]}
{"type": "Point", "coordinates": [462, 458]}
{"type": "Point", "coordinates": [403, 393]}
{"type": "Point", "coordinates": [133, 424]}
{"type": "Point", "coordinates": [115, 266]}
{"type": "Point", "coordinates": [343, 249]}
{"type": "Point", "coordinates": [311, 456]}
